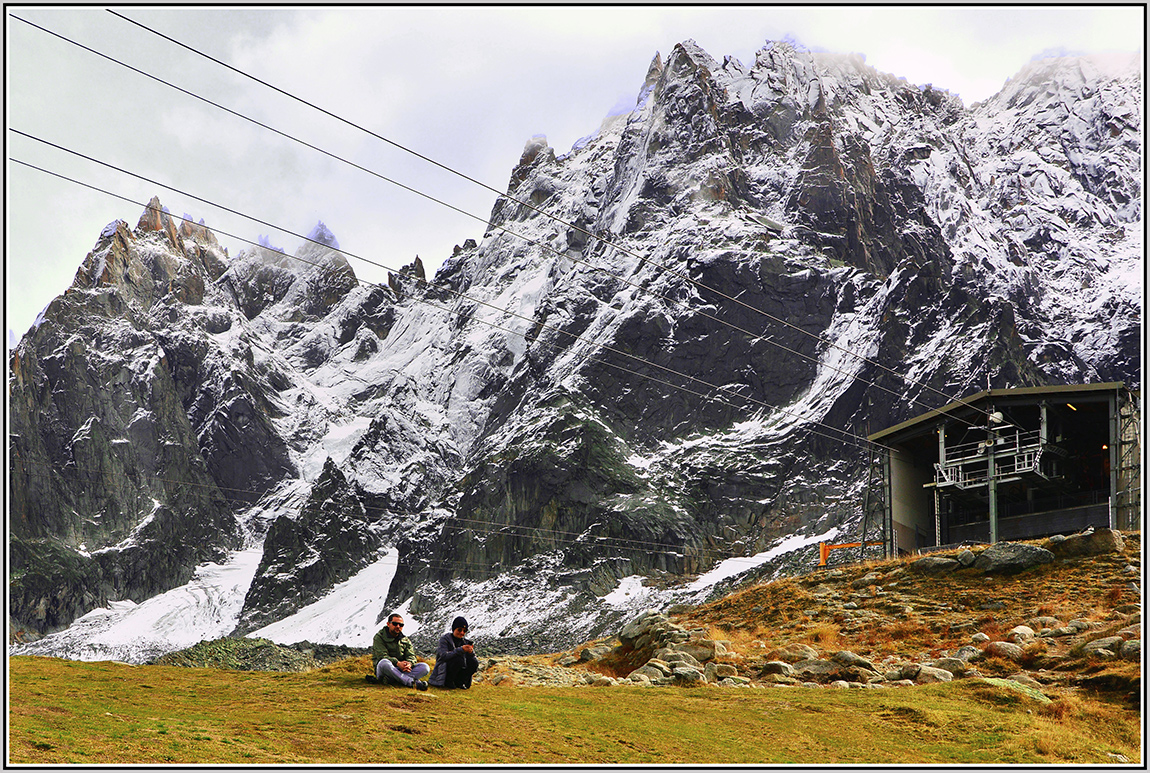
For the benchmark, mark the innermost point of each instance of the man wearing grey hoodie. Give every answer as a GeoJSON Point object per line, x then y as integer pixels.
{"type": "Point", "coordinates": [455, 660]}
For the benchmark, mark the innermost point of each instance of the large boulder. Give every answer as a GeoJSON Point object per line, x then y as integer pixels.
{"type": "Point", "coordinates": [1131, 650]}
{"type": "Point", "coordinates": [642, 625]}
{"type": "Point", "coordinates": [652, 669]}
{"type": "Point", "coordinates": [816, 670]}
{"type": "Point", "coordinates": [825, 671]}
{"type": "Point", "coordinates": [932, 675]}
{"type": "Point", "coordinates": [777, 667]}
{"type": "Point", "coordinates": [687, 675]}
{"type": "Point", "coordinates": [674, 656]}
{"type": "Point", "coordinates": [1020, 634]}
{"type": "Point", "coordinates": [1004, 649]}
{"type": "Point", "coordinates": [848, 658]}
{"type": "Point", "coordinates": [594, 652]}
{"type": "Point", "coordinates": [797, 651]}
{"type": "Point", "coordinates": [1089, 543]}
{"type": "Point", "coordinates": [702, 650]}
{"type": "Point", "coordinates": [715, 672]}
{"type": "Point", "coordinates": [1111, 643]}
{"type": "Point", "coordinates": [955, 666]}
{"type": "Point", "coordinates": [1011, 557]}
{"type": "Point", "coordinates": [967, 653]}
{"type": "Point", "coordinates": [907, 672]}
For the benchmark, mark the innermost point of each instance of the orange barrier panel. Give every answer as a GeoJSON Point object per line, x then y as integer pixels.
{"type": "Point", "coordinates": [825, 548]}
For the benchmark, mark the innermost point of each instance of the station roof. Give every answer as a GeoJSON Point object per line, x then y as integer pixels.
{"type": "Point", "coordinates": [974, 402]}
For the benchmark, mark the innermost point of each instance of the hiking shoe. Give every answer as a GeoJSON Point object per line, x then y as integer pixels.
{"type": "Point", "coordinates": [421, 685]}
{"type": "Point", "coordinates": [370, 679]}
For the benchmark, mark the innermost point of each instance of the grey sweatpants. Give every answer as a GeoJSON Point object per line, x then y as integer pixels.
{"type": "Point", "coordinates": [386, 670]}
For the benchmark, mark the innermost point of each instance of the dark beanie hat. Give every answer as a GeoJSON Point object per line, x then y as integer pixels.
{"type": "Point", "coordinates": [459, 622]}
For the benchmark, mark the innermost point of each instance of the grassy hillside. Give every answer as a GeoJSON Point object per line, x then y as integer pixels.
{"type": "Point", "coordinates": [68, 712]}
{"type": "Point", "coordinates": [1084, 709]}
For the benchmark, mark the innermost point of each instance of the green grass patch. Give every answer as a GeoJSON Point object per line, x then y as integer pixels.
{"type": "Point", "coordinates": [67, 712]}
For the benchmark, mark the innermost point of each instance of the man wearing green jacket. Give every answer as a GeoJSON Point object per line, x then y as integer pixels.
{"type": "Point", "coordinates": [394, 656]}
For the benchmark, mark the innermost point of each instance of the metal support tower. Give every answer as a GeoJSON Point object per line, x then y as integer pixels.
{"type": "Point", "coordinates": [874, 524]}
{"type": "Point", "coordinates": [1128, 492]}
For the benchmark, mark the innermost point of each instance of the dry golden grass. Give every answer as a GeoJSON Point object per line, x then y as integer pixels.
{"type": "Point", "coordinates": [826, 635]}
{"type": "Point", "coordinates": [996, 665]}
{"type": "Point", "coordinates": [1114, 596]}
{"type": "Point", "coordinates": [759, 609]}
{"type": "Point", "coordinates": [992, 627]}
{"type": "Point", "coordinates": [72, 713]}
{"type": "Point", "coordinates": [1061, 723]}
{"type": "Point", "coordinates": [761, 620]}
{"type": "Point", "coordinates": [739, 640]}
{"type": "Point", "coordinates": [1032, 652]}
{"type": "Point", "coordinates": [62, 712]}
{"type": "Point", "coordinates": [1066, 707]}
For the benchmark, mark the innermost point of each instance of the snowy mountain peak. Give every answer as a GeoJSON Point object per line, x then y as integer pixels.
{"type": "Point", "coordinates": [324, 236]}
{"type": "Point", "coordinates": [575, 419]}
{"type": "Point", "coordinates": [654, 70]}
{"type": "Point", "coordinates": [152, 262]}
{"type": "Point", "coordinates": [690, 50]}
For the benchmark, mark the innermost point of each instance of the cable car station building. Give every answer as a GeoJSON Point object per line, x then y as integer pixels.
{"type": "Point", "coordinates": [1012, 464]}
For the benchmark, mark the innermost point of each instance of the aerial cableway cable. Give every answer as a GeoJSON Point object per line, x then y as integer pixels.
{"type": "Point", "coordinates": [579, 540]}
{"type": "Point", "coordinates": [753, 337]}
{"type": "Point", "coordinates": [591, 541]}
{"type": "Point", "coordinates": [845, 436]}
{"type": "Point", "coordinates": [604, 240]}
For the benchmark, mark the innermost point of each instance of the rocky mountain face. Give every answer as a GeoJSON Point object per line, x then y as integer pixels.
{"type": "Point", "coordinates": [663, 353]}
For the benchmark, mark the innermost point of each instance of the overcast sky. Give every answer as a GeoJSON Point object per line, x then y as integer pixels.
{"type": "Point", "coordinates": [467, 87]}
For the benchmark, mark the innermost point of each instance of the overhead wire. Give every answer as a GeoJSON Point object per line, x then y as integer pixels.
{"type": "Point", "coordinates": [645, 544]}
{"type": "Point", "coordinates": [752, 336]}
{"type": "Point", "coordinates": [503, 194]}
{"type": "Point", "coordinates": [489, 223]}
{"type": "Point", "coordinates": [458, 521]}
{"type": "Point", "coordinates": [580, 540]}
{"type": "Point", "coordinates": [845, 436]}
{"type": "Point", "coordinates": [532, 530]}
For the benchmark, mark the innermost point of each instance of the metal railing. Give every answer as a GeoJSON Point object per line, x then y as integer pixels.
{"type": "Point", "coordinates": [967, 465]}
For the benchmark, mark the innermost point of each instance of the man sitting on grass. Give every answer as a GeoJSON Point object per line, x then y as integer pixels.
{"type": "Point", "coordinates": [455, 660]}
{"type": "Point", "coordinates": [394, 657]}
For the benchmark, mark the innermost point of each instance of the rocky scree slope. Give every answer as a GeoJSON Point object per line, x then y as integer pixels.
{"type": "Point", "coordinates": [1051, 617]}
{"type": "Point", "coordinates": [1048, 618]}
{"type": "Point", "coordinates": [490, 424]}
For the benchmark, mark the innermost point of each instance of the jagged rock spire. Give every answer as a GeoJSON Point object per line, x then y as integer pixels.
{"type": "Point", "coordinates": [322, 234]}
{"type": "Point", "coordinates": [654, 70]}
{"type": "Point", "coordinates": [156, 218]}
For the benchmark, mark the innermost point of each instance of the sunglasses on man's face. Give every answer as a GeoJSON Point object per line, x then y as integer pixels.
{"type": "Point", "coordinates": [397, 625]}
